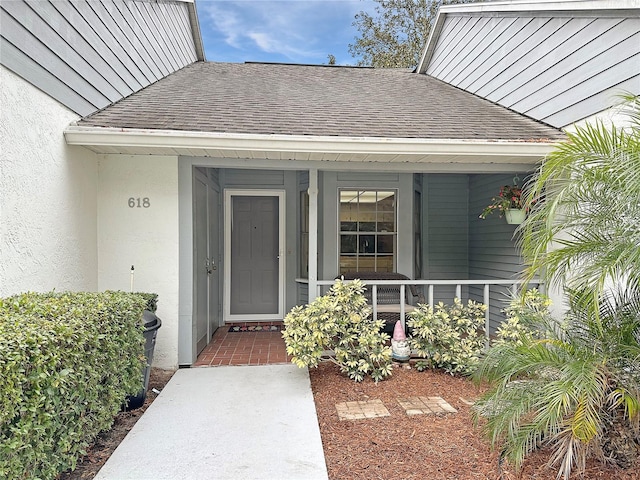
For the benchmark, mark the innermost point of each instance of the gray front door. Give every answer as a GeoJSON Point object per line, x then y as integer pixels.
{"type": "Point", "coordinates": [255, 282]}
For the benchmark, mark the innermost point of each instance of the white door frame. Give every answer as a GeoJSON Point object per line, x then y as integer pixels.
{"type": "Point", "coordinates": [228, 193]}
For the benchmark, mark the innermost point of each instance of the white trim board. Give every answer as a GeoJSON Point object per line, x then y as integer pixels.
{"type": "Point", "coordinates": [316, 152]}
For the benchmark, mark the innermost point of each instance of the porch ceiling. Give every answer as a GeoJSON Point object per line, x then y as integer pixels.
{"type": "Point", "coordinates": [314, 151]}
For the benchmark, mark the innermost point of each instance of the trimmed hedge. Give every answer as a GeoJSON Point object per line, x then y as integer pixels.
{"type": "Point", "coordinates": [151, 299]}
{"type": "Point", "coordinates": [67, 363]}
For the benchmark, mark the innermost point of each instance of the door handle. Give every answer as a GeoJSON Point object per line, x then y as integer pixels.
{"type": "Point", "coordinates": [208, 266]}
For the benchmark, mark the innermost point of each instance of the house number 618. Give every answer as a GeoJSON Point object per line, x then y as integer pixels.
{"type": "Point", "coordinates": [139, 202]}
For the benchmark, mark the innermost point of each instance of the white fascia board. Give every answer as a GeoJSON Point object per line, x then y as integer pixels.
{"type": "Point", "coordinates": [626, 8]}
{"type": "Point", "coordinates": [430, 47]}
{"type": "Point", "coordinates": [117, 137]}
{"type": "Point", "coordinates": [535, 6]}
{"type": "Point", "coordinates": [195, 29]}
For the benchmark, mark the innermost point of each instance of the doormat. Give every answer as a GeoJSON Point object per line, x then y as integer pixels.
{"type": "Point", "coordinates": [255, 328]}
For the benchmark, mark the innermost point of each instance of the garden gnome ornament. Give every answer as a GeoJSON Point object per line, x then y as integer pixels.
{"type": "Point", "coordinates": [400, 349]}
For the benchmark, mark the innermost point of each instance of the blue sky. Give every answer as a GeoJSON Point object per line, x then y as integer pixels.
{"type": "Point", "coordinates": [289, 31]}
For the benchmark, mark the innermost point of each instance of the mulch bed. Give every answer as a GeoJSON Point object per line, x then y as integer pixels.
{"type": "Point", "coordinates": [443, 447]}
{"type": "Point", "coordinates": [422, 446]}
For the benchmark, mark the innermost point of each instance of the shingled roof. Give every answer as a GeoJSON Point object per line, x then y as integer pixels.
{"type": "Point", "coordinates": [256, 98]}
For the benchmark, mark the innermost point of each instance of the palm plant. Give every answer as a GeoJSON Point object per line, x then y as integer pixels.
{"type": "Point", "coordinates": [577, 389]}
{"type": "Point", "coordinates": [585, 233]}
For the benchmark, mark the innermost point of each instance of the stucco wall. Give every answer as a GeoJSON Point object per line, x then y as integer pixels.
{"type": "Point", "coordinates": [48, 195]}
{"type": "Point", "coordinates": [144, 236]}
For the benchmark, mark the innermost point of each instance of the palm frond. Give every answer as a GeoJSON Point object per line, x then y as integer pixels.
{"type": "Point", "coordinates": [584, 201]}
{"type": "Point", "coordinates": [561, 389]}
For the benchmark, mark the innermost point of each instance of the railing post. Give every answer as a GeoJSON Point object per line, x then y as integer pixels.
{"type": "Point", "coordinates": [487, 324]}
{"type": "Point", "coordinates": [374, 300]}
{"type": "Point", "coordinates": [459, 292]}
{"type": "Point", "coordinates": [430, 298]}
{"type": "Point", "coordinates": [402, 301]}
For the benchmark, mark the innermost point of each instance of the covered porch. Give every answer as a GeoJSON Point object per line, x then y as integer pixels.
{"type": "Point", "coordinates": [423, 225]}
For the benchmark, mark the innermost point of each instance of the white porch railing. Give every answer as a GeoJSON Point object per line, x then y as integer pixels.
{"type": "Point", "coordinates": [430, 285]}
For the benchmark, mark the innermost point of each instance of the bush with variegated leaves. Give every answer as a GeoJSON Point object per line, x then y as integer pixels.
{"type": "Point", "coordinates": [449, 337]}
{"type": "Point", "coordinates": [523, 316]}
{"type": "Point", "coordinates": [340, 321]}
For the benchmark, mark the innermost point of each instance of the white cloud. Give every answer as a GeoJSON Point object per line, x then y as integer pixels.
{"type": "Point", "coordinates": [302, 31]}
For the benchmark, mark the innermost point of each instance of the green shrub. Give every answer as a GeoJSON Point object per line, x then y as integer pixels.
{"type": "Point", "coordinates": [575, 387]}
{"type": "Point", "coordinates": [151, 299]}
{"type": "Point", "coordinates": [340, 321]}
{"type": "Point", "coordinates": [67, 363]}
{"type": "Point", "coordinates": [450, 337]}
{"type": "Point", "coordinates": [523, 318]}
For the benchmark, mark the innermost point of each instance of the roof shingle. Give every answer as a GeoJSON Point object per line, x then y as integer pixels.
{"type": "Point", "coordinates": [316, 100]}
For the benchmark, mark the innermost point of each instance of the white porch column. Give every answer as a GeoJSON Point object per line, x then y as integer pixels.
{"type": "Point", "coordinates": [313, 234]}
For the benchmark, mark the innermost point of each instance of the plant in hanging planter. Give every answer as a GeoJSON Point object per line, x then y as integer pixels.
{"type": "Point", "coordinates": [509, 198]}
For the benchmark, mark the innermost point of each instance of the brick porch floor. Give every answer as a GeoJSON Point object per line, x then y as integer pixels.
{"type": "Point", "coordinates": [244, 348]}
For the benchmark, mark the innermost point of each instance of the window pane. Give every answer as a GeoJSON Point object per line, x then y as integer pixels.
{"type": "Point", "coordinates": [367, 226]}
{"type": "Point", "coordinates": [349, 207]}
{"type": "Point", "coordinates": [348, 243]}
{"type": "Point", "coordinates": [367, 244]}
{"type": "Point", "coordinates": [386, 201]}
{"type": "Point", "coordinates": [348, 226]}
{"type": "Point", "coordinates": [384, 264]}
{"type": "Point", "coordinates": [385, 244]}
{"type": "Point", "coordinates": [386, 227]}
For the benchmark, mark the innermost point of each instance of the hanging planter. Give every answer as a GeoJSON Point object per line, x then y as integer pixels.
{"type": "Point", "coordinates": [508, 203]}
{"type": "Point", "coordinates": [515, 216]}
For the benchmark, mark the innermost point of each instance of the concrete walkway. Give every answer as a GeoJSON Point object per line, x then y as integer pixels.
{"type": "Point", "coordinates": [236, 423]}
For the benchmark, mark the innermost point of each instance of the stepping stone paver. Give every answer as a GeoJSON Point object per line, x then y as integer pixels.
{"type": "Point", "coordinates": [361, 409]}
{"type": "Point", "coordinates": [425, 405]}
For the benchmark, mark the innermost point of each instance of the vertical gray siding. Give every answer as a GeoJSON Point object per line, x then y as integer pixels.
{"type": "Point", "coordinates": [445, 221]}
{"type": "Point", "coordinates": [555, 69]}
{"type": "Point", "coordinates": [447, 226]}
{"type": "Point", "coordinates": [458, 245]}
{"type": "Point", "coordinates": [492, 249]}
{"type": "Point", "coordinates": [240, 178]}
{"type": "Point", "coordinates": [88, 55]}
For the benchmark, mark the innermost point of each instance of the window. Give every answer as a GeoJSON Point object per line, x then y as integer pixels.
{"type": "Point", "coordinates": [367, 231]}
